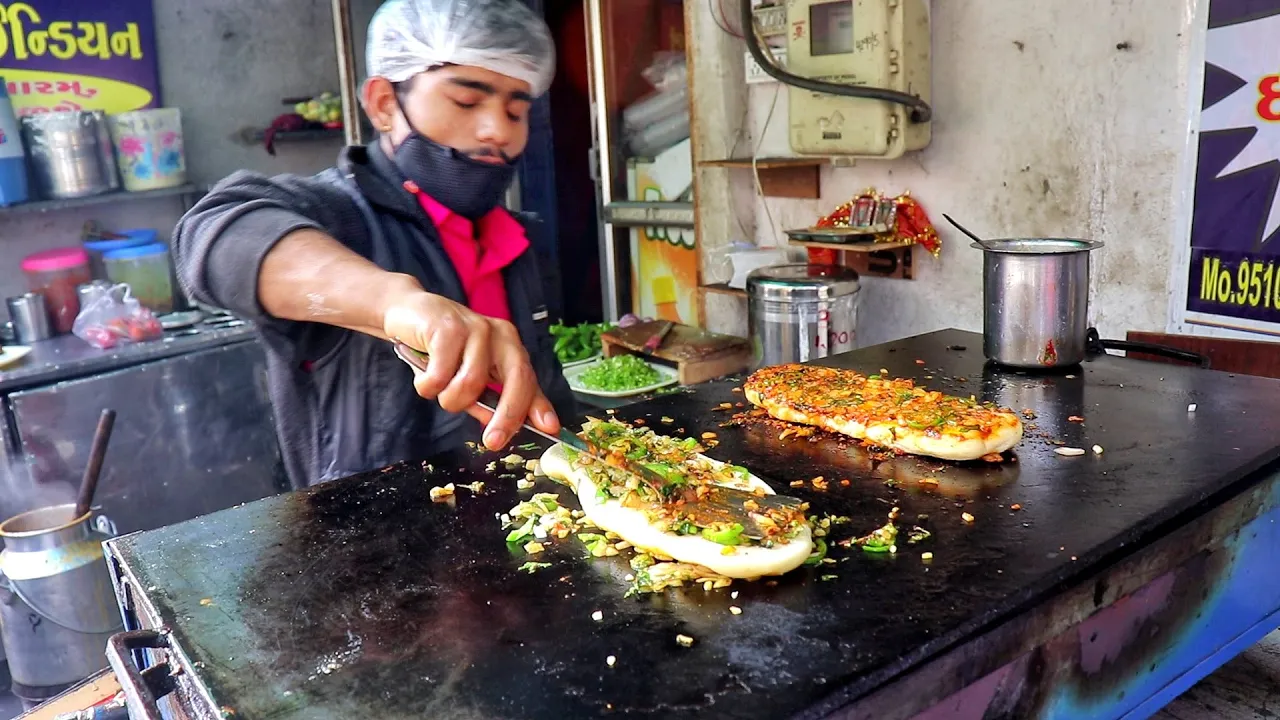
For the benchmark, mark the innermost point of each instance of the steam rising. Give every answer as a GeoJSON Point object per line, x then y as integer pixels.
{"type": "Point", "coordinates": [19, 492]}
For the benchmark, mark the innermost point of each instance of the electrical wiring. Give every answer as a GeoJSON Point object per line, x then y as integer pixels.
{"type": "Point", "coordinates": [722, 20]}
{"type": "Point", "coordinates": [738, 136]}
{"type": "Point", "coordinates": [920, 111]}
{"type": "Point", "coordinates": [755, 169]}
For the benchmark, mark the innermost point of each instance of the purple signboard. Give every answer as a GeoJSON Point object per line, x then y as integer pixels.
{"type": "Point", "coordinates": [1234, 269]}
{"type": "Point", "coordinates": [60, 55]}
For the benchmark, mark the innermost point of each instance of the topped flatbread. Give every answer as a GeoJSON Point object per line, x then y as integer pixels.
{"type": "Point", "coordinates": [655, 521]}
{"type": "Point", "coordinates": [892, 413]}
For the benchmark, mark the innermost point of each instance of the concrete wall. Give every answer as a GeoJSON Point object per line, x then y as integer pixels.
{"type": "Point", "coordinates": [226, 64]}
{"type": "Point", "coordinates": [1051, 119]}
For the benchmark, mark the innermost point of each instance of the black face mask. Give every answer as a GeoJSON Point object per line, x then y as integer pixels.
{"type": "Point", "coordinates": [466, 186]}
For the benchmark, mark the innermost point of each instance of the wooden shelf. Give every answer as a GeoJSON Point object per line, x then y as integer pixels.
{"type": "Point", "coordinates": [256, 136]}
{"type": "Point", "coordinates": [723, 289]}
{"type": "Point", "coordinates": [43, 206]}
{"type": "Point", "coordinates": [766, 163]}
{"type": "Point", "coordinates": [780, 177]}
{"type": "Point", "coordinates": [851, 247]}
{"type": "Point", "coordinates": [889, 260]}
{"type": "Point", "coordinates": [649, 214]}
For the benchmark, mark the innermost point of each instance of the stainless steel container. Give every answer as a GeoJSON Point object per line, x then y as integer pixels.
{"type": "Point", "coordinates": [65, 154]}
{"type": "Point", "coordinates": [797, 313]}
{"type": "Point", "coordinates": [57, 604]}
{"type": "Point", "coordinates": [106, 151]}
{"type": "Point", "coordinates": [30, 318]}
{"type": "Point", "coordinates": [1036, 301]}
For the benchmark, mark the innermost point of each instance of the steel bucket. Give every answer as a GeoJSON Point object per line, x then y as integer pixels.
{"type": "Point", "coordinates": [57, 604]}
{"type": "Point", "coordinates": [1036, 301]}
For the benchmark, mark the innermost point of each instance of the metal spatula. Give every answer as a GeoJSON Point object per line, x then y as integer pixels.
{"type": "Point", "coordinates": [719, 505]}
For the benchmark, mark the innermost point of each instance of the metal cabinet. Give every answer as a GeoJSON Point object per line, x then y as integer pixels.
{"type": "Point", "coordinates": [193, 435]}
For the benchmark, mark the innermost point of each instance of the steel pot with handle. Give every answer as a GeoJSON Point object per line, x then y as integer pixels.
{"type": "Point", "coordinates": [1036, 301]}
{"type": "Point", "coordinates": [1036, 306]}
{"type": "Point", "coordinates": [57, 605]}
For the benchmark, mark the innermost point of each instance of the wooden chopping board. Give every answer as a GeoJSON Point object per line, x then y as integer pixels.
{"type": "Point", "coordinates": [698, 354]}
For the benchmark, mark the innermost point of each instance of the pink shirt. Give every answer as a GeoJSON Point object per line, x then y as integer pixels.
{"type": "Point", "coordinates": [479, 252]}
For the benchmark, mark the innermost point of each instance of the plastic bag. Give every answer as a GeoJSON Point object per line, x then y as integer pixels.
{"type": "Point", "coordinates": [112, 316]}
{"type": "Point", "coordinates": [667, 72]}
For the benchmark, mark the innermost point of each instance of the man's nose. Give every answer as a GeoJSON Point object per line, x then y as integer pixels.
{"type": "Point", "coordinates": [496, 130]}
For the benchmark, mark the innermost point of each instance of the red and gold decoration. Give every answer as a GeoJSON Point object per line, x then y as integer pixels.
{"type": "Point", "coordinates": [913, 225]}
{"type": "Point", "coordinates": [891, 219]}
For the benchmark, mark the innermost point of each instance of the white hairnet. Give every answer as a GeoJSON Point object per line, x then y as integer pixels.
{"type": "Point", "coordinates": [407, 37]}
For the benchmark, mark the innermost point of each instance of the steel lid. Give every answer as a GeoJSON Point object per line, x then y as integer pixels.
{"type": "Point", "coordinates": [802, 282]}
{"type": "Point", "coordinates": [1038, 246]}
{"type": "Point", "coordinates": [60, 130]}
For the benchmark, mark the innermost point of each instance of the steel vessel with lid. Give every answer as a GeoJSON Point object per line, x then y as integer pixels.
{"type": "Point", "coordinates": [800, 312]}
{"type": "Point", "coordinates": [66, 160]}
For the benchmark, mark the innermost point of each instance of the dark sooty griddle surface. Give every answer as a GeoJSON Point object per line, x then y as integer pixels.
{"type": "Point", "coordinates": [361, 597]}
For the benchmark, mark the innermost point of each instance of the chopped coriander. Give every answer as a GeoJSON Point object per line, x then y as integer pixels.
{"type": "Point", "coordinates": [622, 372]}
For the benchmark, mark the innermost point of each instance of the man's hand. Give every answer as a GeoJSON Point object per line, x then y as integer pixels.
{"type": "Point", "coordinates": [311, 277]}
{"type": "Point", "coordinates": [468, 351]}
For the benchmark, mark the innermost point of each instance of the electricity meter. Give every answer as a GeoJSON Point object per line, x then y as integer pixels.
{"type": "Point", "coordinates": [867, 43]}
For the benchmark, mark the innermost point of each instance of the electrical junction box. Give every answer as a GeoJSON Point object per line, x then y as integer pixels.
{"type": "Point", "coordinates": [756, 75]}
{"type": "Point", "coordinates": [771, 20]}
{"type": "Point", "coordinates": [871, 43]}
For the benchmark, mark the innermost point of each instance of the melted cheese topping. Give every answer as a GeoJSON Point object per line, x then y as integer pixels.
{"type": "Point", "coordinates": [893, 413]}
{"type": "Point", "coordinates": [634, 526]}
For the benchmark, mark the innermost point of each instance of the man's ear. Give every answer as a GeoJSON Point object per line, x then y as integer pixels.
{"type": "Point", "coordinates": [379, 100]}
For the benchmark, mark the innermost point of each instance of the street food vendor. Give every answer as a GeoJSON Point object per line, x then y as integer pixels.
{"type": "Point", "coordinates": [404, 240]}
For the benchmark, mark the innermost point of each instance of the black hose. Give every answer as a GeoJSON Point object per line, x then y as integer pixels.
{"type": "Point", "coordinates": [920, 110]}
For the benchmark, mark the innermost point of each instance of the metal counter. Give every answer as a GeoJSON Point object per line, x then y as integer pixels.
{"type": "Point", "coordinates": [193, 434]}
{"type": "Point", "coordinates": [1117, 580]}
{"type": "Point", "coordinates": [67, 356]}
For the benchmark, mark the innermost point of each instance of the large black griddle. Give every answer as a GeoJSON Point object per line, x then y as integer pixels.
{"type": "Point", "coordinates": [361, 598]}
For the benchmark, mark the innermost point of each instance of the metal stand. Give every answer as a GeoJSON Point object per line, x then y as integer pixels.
{"type": "Point", "coordinates": [347, 72]}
